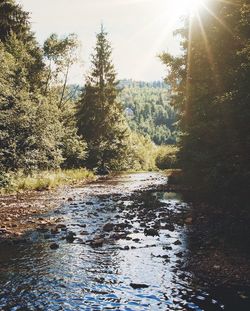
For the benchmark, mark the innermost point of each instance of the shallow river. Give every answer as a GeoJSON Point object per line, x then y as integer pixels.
{"type": "Point", "coordinates": [110, 259]}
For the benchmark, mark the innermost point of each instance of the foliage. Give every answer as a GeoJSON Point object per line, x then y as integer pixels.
{"type": "Point", "coordinates": [60, 55]}
{"type": "Point", "coordinates": [100, 118]}
{"type": "Point", "coordinates": [148, 110]}
{"type": "Point", "coordinates": [166, 157]}
{"type": "Point", "coordinates": [211, 87]}
{"type": "Point", "coordinates": [139, 155]}
{"type": "Point", "coordinates": [37, 116]}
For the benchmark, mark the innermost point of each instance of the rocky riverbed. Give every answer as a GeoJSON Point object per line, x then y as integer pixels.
{"type": "Point", "coordinates": [125, 243]}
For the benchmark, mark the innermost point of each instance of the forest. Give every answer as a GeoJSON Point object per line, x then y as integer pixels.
{"type": "Point", "coordinates": [203, 105]}
{"type": "Point", "coordinates": [210, 84]}
{"type": "Point", "coordinates": [125, 194]}
{"type": "Point", "coordinates": [47, 124]}
{"type": "Point", "coordinates": [148, 110]}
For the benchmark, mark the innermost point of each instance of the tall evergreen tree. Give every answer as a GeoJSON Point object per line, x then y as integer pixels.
{"type": "Point", "coordinates": [210, 83]}
{"type": "Point", "coordinates": [100, 118]}
{"type": "Point", "coordinates": [13, 20]}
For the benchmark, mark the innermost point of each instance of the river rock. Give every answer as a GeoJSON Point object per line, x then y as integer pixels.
{"type": "Point", "coordinates": [70, 237]}
{"type": "Point", "coordinates": [180, 254]}
{"type": "Point", "coordinates": [54, 246]}
{"type": "Point", "coordinates": [60, 226]}
{"type": "Point", "coordinates": [83, 232]}
{"type": "Point", "coordinates": [169, 227]}
{"type": "Point", "coordinates": [177, 242]}
{"type": "Point", "coordinates": [89, 203]}
{"type": "Point", "coordinates": [151, 232]}
{"type": "Point", "coordinates": [136, 240]}
{"type": "Point", "coordinates": [97, 243]}
{"type": "Point", "coordinates": [54, 231]}
{"type": "Point", "coordinates": [138, 286]}
{"type": "Point", "coordinates": [118, 236]}
{"type": "Point", "coordinates": [108, 227]}
{"type": "Point", "coordinates": [42, 229]}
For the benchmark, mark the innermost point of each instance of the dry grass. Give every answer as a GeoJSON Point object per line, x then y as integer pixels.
{"type": "Point", "coordinates": [47, 179]}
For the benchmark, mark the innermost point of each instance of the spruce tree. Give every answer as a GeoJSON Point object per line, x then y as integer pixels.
{"type": "Point", "coordinates": [211, 89]}
{"type": "Point", "coordinates": [13, 20]}
{"type": "Point", "coordinates": [100, 118]}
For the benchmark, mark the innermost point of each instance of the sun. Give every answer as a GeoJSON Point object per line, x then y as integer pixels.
{"type": "Point", "coordinates": [180, 7]}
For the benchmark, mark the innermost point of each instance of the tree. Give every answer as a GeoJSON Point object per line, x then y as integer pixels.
{"type": "Point", "coordinates": [100, 118]}
{"type": "Point", "coordinates": [13, 20]}
{"type": "Point", "coordinates": [14, 30]}
{"type": "Point", "coordinates": [60, 54]}
{"type": "Point", "coordinates": [210, 87]}
{"type": "Point", "coordinates": [151, 114]}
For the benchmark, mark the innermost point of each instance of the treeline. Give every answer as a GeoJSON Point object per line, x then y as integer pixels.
{"type": "Point", "coordinates": [130, 83]}
{"type": "Point", "coordinates": [148, 110]}
{"type": "Point", "coordinates": [43, 123]}
{"type": "Point", "coordinates": [210, 84]}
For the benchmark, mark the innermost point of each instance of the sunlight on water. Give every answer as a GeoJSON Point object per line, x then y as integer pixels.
{"type": "Point", "coordinates": [132, 270]}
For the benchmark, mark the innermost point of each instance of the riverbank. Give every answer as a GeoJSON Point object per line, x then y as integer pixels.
{"type": "Point", "coordinates": [44, 180]}
{"type": "Point", "coordinates": [27, 198]}
{"type": "Point", "coordinates": [219, 236]}
{"type": "Point", "coordinates": [220, 239]}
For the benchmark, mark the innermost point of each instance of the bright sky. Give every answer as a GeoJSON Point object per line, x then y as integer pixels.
{"type": "Point", "coordinates": [138, 30]}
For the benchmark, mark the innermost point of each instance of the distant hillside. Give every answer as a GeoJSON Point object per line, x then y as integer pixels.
{"type": "Point", "coordinates": [146, 105]}
{"type": "Point", "coordinates": [142, 84]}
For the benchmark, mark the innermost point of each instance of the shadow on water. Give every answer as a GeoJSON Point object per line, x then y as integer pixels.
{"type": "Point", "coordinates": [139, 264]}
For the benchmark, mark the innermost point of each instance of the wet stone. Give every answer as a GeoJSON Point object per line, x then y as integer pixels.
{"type": "Point", "coordinates": [97, 243]}
{"type": "Point", "coordinates": [138, 286]}
{"type": "Point", "coordinates": [54, 246]}
{"type": "Point", "coordinates": [70, 237]}
{"type": "Point", "coordinates": [108, 227]}
{"type": "Point", "coordinates": [177, 242]}
{"type": "Point", "coordinates": [151, 232]}
{"type": "Point", "coordinates": [89, 203]}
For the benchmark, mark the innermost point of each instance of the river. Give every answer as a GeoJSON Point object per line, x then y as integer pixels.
{"type": "Point", "coordinates": [114, 248]}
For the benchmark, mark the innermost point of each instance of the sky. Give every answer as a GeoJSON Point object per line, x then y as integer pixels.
{"type": "Point", "coordinates": [138, 30]}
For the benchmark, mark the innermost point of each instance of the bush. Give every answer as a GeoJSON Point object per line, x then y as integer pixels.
{"type": "Point", "coordinates": [4, 180]}
{"type": "Point", "coordinates": [166, 157]}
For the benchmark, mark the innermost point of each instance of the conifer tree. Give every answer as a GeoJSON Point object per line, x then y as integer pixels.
{"type": "Point", "coordinates": [100, 118]}
{"type": "Point", "coordinates": [13, 20]}
{"type": "Point", "coordinates": [211, 88]}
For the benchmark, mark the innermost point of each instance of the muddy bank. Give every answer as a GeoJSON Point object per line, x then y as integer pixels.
{"type": "Point", "coordinates": [220, 238]}
{"type": "Point", "coordinates": [23, 212]}
{"type": "Point", "coordinates": [20, 213]}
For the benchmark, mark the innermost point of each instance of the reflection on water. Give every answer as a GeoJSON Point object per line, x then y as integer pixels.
{"type": "Point", "coordinates": [77, 276]}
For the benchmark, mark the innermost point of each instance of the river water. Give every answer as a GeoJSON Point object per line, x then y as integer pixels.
{"type": "Point", "coordinates": [109, 260]}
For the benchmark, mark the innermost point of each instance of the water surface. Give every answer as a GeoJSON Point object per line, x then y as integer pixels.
{"type": "Point", "coordinates": [78, 276]}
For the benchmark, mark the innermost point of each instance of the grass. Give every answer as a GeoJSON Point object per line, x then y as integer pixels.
{"type": "Point", "coordinates": [46, 179]}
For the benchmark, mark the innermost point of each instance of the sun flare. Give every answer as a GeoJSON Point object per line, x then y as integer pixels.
{"type": "Point", "coordinates": [181, 7]}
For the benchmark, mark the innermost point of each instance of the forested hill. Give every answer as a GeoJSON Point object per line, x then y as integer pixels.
{"type": "Point", "coordinates": [147, 108]}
